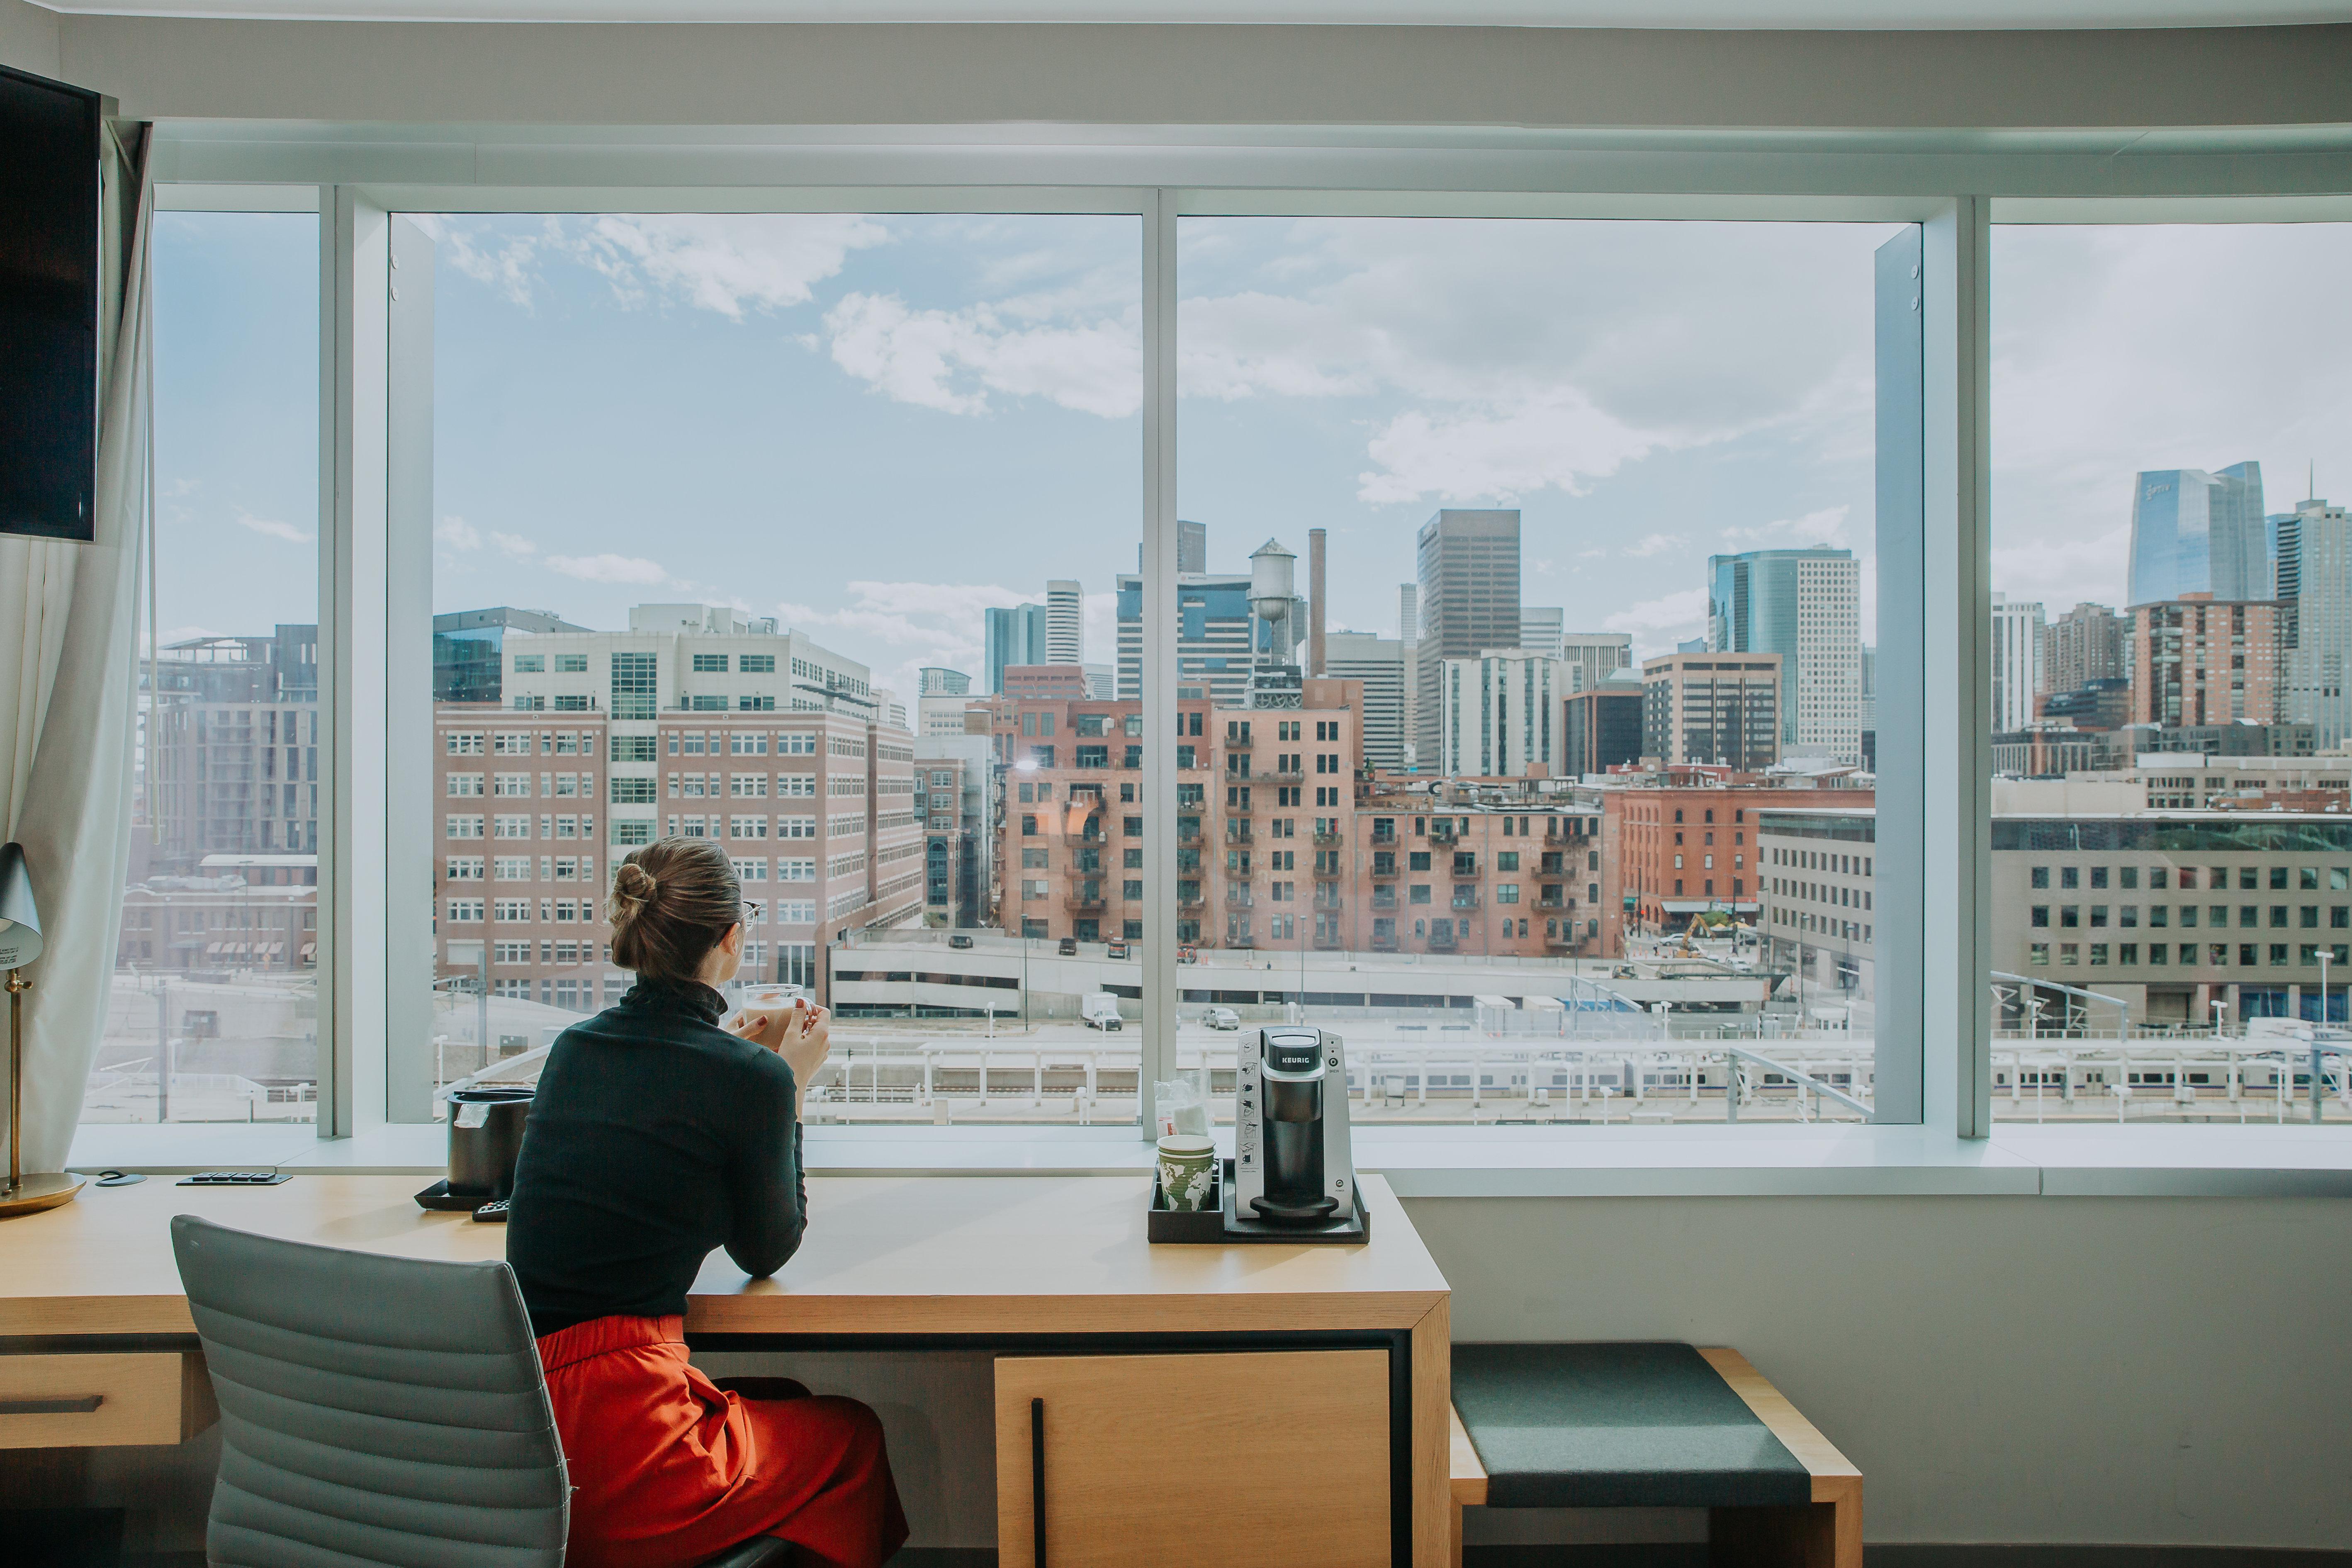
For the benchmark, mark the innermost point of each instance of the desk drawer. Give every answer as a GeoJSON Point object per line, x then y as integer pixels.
{"type": "Point", "coordinates": [1214, 1460]}
{"type": "Point", "coordinates": [103, 1401]}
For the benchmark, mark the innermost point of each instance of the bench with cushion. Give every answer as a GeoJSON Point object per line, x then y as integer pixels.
{"type": "Point", "coordinates": [1651, 1425]}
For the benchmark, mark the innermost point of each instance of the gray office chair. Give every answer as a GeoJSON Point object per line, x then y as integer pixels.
{"type": "Point", "coordinates": [378, 1409]}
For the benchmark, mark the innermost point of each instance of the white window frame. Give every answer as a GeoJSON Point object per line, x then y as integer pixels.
{"type": "Point", "coordinates": [375, 432]}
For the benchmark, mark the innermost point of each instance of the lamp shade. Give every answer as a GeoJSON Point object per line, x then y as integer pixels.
{"type": "Point", "coordinates": [20, 922]}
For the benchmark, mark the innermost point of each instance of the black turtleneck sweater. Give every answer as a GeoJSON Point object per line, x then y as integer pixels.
{"type": "Point", "coordinates": [656, 1136]}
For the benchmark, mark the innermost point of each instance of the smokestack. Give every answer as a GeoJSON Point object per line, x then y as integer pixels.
{"type": "Point", "coordinates": [1315, 602]}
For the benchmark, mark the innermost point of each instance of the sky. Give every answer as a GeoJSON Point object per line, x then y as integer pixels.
{"type": "Point", "coordinates": [874, 426]}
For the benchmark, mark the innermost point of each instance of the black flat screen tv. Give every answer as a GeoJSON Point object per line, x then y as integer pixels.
{"type": "Point", "coordinates": [49, 306]}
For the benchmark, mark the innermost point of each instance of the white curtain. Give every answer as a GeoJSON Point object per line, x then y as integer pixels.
{"type": "Point", "coordinates": [68, 621]}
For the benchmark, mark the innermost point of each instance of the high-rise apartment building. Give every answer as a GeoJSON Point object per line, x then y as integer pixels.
{"type": "Point", "coordinates": [1015, 633]}
{"type": "Point", "coordinates": [1468, 571]}
{"type": "Point", "coordinates": [1379, 663]}
{"type": "Point", "coordinates": [2017, 627]}
{"type": "Point", "coordinates": [736, 663]}
{"type": "Point", "coordinates": [2195, 532]}
{"type": "Point", "coordinates": [470, 647]}
{"type": "Point", "coordinates": [2084, 645]}
{"type": "Point", "coordinates": [1712, 709]}
{"type": "Point", "coordinates": [941, 682]}
{"type": "Point", "coordinates": [1806, 606]}
{"type": "Point", "coordinates": [1065, 622]}
{"type": "Point", "coordinates": [1590, 656]}
{"type": "Point", "coordinates": [1498, 715]}
{"type": "Point", "coordinates": [2314, 543]}
{"type": "Point", "coordinates": [233, 748]}
{"type": "Point", "coordinates": [698, 722]}
{"type": "Point", "coordinates": [2201, 660]}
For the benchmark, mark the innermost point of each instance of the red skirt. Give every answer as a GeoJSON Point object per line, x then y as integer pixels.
{"type": "Point", "coordinates": [668, 1469]}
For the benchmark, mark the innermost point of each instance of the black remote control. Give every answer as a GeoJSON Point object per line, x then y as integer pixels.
{"type": "Point", "coordinates": [491, 1213]}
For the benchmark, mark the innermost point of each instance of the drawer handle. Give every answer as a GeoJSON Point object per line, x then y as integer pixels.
{"type": "Point", "coordinates": [1037, 1482]}
{"type": "Point", "coordinates": [66, 1404]}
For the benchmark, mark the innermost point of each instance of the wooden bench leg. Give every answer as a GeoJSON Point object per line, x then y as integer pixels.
{"type": "Point", "coordinates": [1812, 1535]}
{"type": "Point", "coordinates": [1457, 1536]}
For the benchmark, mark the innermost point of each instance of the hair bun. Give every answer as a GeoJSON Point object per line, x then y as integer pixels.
{"type": "Point", "coordinates": [634, 881]}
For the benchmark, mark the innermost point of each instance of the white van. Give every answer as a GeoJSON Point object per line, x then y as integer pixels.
{"type": "Point", "coordinates": [1101, 1011]}
{"type": "Point", "coordinates": [1222, 1018]}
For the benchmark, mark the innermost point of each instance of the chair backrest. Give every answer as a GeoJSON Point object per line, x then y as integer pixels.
{"type": "Point", "coordinates": [378, 1409]}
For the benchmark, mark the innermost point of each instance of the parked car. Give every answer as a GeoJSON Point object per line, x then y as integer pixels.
{"type": "Point", "coordinates": [1100, 1011]}
{"type": "Point", "coordinates": [1069, 948]}
{"type": "Point", "coordinates": [1222, 1018]}
{"type": "Point", "coordinates": [959, 940]}
{"type": "Point", "coordinates": [1118, 949]}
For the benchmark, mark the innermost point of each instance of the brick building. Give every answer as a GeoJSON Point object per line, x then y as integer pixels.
{"type": "Point", "coordinates": [1283, 841]}
{"type": "Point", "coordinates": [817, 810]}
{"type": "Point", "coordinates": [2201, 660]}
{"type": "Point", "coordinates": [1668, 853]}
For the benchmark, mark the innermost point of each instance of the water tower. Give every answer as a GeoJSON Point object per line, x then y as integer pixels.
{"type": "Point", "coordinates": [1275, 679]}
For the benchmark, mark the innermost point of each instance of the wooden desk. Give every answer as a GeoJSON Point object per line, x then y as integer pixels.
{"type": "Point", "coordinates": [1022, 1263]}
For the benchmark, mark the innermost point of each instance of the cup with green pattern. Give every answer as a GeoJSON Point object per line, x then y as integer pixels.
{"type": "Point", "coordinates": [1188, 1171]}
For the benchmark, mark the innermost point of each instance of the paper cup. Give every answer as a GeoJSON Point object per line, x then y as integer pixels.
{"type": "Point", "coordinates": [1188, 1171]}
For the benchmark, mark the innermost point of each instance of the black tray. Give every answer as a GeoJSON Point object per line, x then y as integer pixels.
{"type": "Point", "coordinates": [1220, 1226]}
{"type": "Point", "coordinates": [441, 1200]}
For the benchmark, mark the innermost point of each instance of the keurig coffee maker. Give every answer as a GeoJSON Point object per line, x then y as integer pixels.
{"type": "Point", "coordinates": [1292, 1165]}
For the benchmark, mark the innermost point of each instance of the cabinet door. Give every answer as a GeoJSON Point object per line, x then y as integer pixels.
{"type": "Point", "coordinates": [1276, 1458]}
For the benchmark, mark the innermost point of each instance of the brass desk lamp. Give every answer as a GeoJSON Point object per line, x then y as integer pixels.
{"type": "Point", "coordinates": [20, 944]}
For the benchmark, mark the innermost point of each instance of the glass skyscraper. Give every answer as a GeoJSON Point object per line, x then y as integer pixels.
{"type": "Point", "coordinates": [1805, 606]}
{"type": "Point", "coordinates": [2195, 532]}
{"type": "Point", "coordinates": [1015, 634]}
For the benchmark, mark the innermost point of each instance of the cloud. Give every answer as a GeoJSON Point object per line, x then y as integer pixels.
{"type": "Point", "coordinates": [1537, 354]}
{"type": "Point", "coordinates": [2119, 349]}
{"type": "Point", "coordinates": [1560, 442]}
{"type": "Point", "coordinates": [609, 568]}
{"type": "Point", "coordinates": [272, 529]}
{"type": "Point", "coordinates": [1826, 526]}
{"type": "Point", "coordinates": [727, 263]}
{"type": "Point", "coordinates": [1651, 545]}
{"type": "Point", "coordinates": [1658, 624]}
{"type": "Point", "coordinates": [731, 263]}
{"type": "Point", "coordinates": [181, 488]}
{"type": "Point", "coordinates": [514, 545]}
{"type": "Point", "coordinates": [453, 532]}
{"type": "Point", "coordinates": [952, 360]}
{"type": "Point", "coordinates": [934, 623]}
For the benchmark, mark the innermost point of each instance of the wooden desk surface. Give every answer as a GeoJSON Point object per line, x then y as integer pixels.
{"type": "Point", "coordinates": [897, 1255]}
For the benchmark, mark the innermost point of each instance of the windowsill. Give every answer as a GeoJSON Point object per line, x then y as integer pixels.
{"type": "Point", "coordinates": [2020, 1160]}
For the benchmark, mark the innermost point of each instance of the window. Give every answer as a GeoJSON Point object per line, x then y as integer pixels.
{"type": "Point", "coordinates": [866, 699]}
{"type": "Point", "coordinates": [1483, 539]}
{"type": "Point", "coordinates": [2162, 556]}
{"type": "Point", "coordinates": [228, 761]}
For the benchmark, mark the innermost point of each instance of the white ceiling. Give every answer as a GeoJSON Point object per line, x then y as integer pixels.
{"type": "Point", "coordinates": [1777, 14]}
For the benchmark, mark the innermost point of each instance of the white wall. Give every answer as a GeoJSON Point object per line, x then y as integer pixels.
{"type": "Point", "coordinates": [1205, 75]}
{"type": "Point", "coordinates": [2129, 1371]}
{"type": "Point", "coordinates": [28, 38]}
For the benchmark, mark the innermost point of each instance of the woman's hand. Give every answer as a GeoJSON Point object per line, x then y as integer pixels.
{"type": "Point", "coordinates": [761, 1029]}
{"type": "Point", "coordinates": [805, 1038]}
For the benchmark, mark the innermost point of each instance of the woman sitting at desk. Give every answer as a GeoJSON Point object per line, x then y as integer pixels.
{"type": "Point", "coordinates": [656, 1136]}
